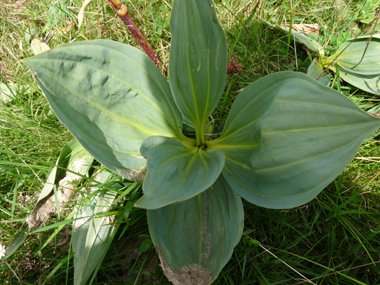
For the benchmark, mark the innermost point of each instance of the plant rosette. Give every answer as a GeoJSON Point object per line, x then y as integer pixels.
{"type": "Point", "coordinates": [286, 137]}
{"type": "Point", "coordinates": [356, 61]}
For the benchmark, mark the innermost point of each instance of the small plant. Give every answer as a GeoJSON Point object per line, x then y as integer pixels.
{"type": "Point", "coordinates": [285, 139]}
{"type": "Point", "coordinates": [356, 61]}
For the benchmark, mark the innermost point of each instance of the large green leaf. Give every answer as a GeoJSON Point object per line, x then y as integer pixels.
{"type": "Point", "coordinates": [368, 83]}
{"type": "Point", "coordinates": [92, 234]}
{"type": "Point", "coordinates": [198, 59]}
{"type": "Point", "coordinates": [351, 53]}
{"type": "Point", "coordinates": [200, 231]}
{"type": "Point", "coordinates": [110, 96]}
{"type": "Point", "coordinates": [176, 172]}
{"type": "Point", "coordinates": [287, 137]}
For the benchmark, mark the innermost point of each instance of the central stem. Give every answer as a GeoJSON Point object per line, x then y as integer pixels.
{"type": "Point", "coordinates": [200, 135]}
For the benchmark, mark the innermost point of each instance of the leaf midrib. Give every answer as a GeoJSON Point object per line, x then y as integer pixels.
{"type": "Point", "coordinates": [104, 110]}
{"type": "Point", "coordinates": [313, 128]}
{"type": "Point", "coordinates": [131, 86]}
{"type": "Point", "coordinates": [96, 142]}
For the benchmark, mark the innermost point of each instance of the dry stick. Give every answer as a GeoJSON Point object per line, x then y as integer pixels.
{"type": "Point", "coordinates": [337, 7]}
{"type": "Point", "coordinates": [368, 42]}
{"type": "Point", "coordinates": [335, 272]}
{"type": "Point", "coordinates": [331, 34]}
{"type": "Point", "coordinates": [122, 11]}
{"type": "Point", "coordinates": [305, 279]}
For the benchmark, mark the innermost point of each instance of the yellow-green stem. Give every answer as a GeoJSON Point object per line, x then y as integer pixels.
{"type": "Point", "coordinates": [197, 136]}
{"type": "Point", "coordinates": [200, 134]}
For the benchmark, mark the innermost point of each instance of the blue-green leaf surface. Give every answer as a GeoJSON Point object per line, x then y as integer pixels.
{"type": "Point", "coordinates": [353, 53]}
{"type": "Point", "coordinates": [110, 96]}
{"type": "Point", "coordinates": [202, 230]}
{"type": "Point", "coordinates": [176, 172]}
{"type": "Point", "coordinates": [368, 83]}
{"type": "Point", "coordinates": [316, 71]}
{"type": "Point", "coordinates": [287, 137]}
{"type": "Point", "coordinates": [198, 59]}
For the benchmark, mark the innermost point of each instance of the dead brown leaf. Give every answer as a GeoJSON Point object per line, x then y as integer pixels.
{"type": "Point", "coordinates": [81, 12]}
{"type": "Point", "coordinates": [39, 47]}
{"type": "Point", "coordinates": [234, 67]}
{"type": "Point", "coordinates": [306, 29]}
{"type": "Point", "coordinates": [66, 30]}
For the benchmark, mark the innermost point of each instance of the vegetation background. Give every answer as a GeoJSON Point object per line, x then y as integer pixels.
{"type": "Point", "coordinates": [334, 239]}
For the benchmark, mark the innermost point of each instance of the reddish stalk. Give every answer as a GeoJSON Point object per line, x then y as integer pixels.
{"type": "Point", "coordinates": [122, 11]}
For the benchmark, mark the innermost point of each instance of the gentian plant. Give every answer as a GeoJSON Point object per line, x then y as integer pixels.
{"type": "Point", "coordinates": [356, 61]}
{"type": "Point", "coordinates": [286, 137]}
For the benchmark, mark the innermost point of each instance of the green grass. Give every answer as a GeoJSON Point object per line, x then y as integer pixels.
{"type": "Point", "coordinates": [334, 239]}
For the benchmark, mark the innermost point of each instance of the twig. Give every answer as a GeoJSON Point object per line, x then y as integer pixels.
{"type": "Point", "coordinates": [353, 40]}
{"type": "Point", "coordinates": [360, 157]}
{"type": "Point", "coordinates": [122, 11]}
{"type": "Point", "coordinates": [368, 159]}
{"type": "Point", "coordinates": [335, 272]}
{"type": "Point", "coordinates": [368, 42]}
{"type": "Point", "coordinates": [337, 7]}
{"type": "Point", "coordinates": [295, 51]}
{"type": "Point", "coordinates": [331, 34]}
{"type": "Point", "coordinates": [13, 271]}
{"type": "Point", "coordinates": [305, 279]}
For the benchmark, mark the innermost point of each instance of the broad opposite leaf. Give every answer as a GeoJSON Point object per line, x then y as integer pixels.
{"type": "Point", "coordinates": [175, 172]}
{"type": "Point", "coordinates": [350, 56]}
{"type": "Point", "coordinates": [291, 137]}
{"type": "Point", "coordinates": [368, 83]}
{"type": "Point", "coordinates": [110, 96]}
{"type": "Point", "coordinates": [198, 59]}
{"type": "Point", "coordinates": [201, 232]}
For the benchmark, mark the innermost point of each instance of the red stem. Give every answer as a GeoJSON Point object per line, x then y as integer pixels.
{"type": "Point", "coordinates": [122, 11]}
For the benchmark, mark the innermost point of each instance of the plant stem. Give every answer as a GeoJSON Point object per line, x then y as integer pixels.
{"type": "Point", "coordinates": [202, 134]}
{"type": "Point", "coordinates": [198, 136]}
{"type": "Point", "coordinates": [203, 141]}
{"type": "Point", "coordinates": [122, 11]}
